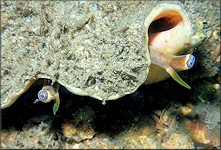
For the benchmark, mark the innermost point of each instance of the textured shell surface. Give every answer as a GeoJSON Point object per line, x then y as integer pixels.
{"type": "Point", "coordinates": [94, 49]}
{"type": "Point", "coordinates": [81, 45]}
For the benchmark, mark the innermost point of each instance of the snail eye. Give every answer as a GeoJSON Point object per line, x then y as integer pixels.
{"type": "Point", "coordinates": [191, 61]}
{"type": "Point", "coordinates": [42, 95]}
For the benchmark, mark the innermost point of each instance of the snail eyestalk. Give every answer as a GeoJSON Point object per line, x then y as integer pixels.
{"type": "Point", "coordinates": [176, 77]}
{"type": "Point", "coordinates": [171, 63]}
{"type": "Point", "coordinates": [49, 93]}
{"type": "Point", "coordinates": [56, 103]}
{"type": "Point", "coordinates": [56, 98]}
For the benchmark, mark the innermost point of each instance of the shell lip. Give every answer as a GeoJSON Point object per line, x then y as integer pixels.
{"type": "Point", "coordinates": [168, 28]}
{"type": "Point", "coordinates": [163, 10]}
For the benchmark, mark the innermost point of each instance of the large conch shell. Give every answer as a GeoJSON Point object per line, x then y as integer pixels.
{"type": "Point", "coordinates": [88, 55]}
{"type": "Point", "coordinates": [79, 51]}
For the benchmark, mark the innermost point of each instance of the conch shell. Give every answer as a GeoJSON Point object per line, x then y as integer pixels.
{"type": "Point", "coordinates": [88, 55]}
{"type": "Point", "coordinates": [169, 32]}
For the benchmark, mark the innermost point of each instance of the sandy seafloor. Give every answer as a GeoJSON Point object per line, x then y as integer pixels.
{"type": "Point", "coordinates": [162, 115]}
{"type": "Point", "coordinates": [130, 122]}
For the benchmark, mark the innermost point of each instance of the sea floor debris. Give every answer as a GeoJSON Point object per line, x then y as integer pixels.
{"type": "Point", "coordinates": [83, 123]}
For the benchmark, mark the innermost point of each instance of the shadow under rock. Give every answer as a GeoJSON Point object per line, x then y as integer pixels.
{"type": "Point", "coordinates": [112, 118]}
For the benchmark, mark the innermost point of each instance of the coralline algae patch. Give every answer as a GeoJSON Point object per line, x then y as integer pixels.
{"type": "Point", "coordinates": [203, 124]}
{"type": "Point", "coordinates": [80, 128]}
{"type": "Point", "coordinates": [77, 132]}
{"type": "Point", "coordinates": [31, 137]}
{"type": "Point", "coordinates": [206, 138]}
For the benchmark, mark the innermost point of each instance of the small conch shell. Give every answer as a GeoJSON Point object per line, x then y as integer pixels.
{"type": "Point", "coordinates": [169, 32]}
